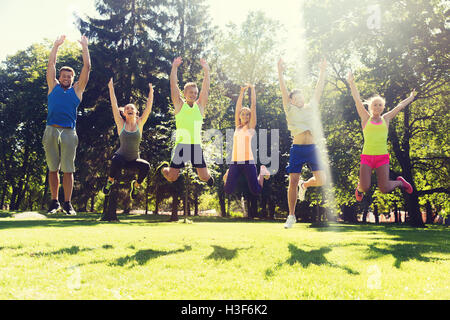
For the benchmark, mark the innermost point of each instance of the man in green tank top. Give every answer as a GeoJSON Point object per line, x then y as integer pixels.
{"type": "Point", "coordinates": [189, 115]}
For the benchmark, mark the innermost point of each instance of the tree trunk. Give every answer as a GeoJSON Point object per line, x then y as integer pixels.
{"type": "Point", "coordinates": [221, 195]}
{"type": "Point", "coordinates": [43, 198]}
{"type": "Point", "coordinates": [365, 212]}
{"type": "Point", "coordinates": [429, 211]}
{"type": "Point", "coordinates": [157, 201]}
{"type": "Point", "coordinates": [175, 202]}
{"type": "Point", "coordinates": [263, 213]}
{"type": "Point", "coordinates": [349, 213]}
{"type": "Point", "coordinates": [195, 202]}
{"type": "Point", "coordinates": [271, 209]}
{"type": "Point", "coordinates": [2, 201]}
{"type": "Point", "coordinates": [12, 201]}
{"type": "Point", "coordinates": [375, 213]}
{"type": "Point", "coordinates": [92, 203]}
{"type": "Point", "coordinates": [396, 217]}
{"type": "Point", "coordinates": [414, 213]}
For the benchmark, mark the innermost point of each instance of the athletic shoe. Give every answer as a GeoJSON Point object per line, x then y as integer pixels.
{"type": "Point", "coordinates": [266, 173]}
{"type": "Point", "coordinates": [68, 209]}
{"type": "Point", "coordinates": [291, 219]}
{"type": "Point", "coordinates": [107, 187]}
{"type": "Point", "coordinates": [406, 186]}
{"type": "Point", "coordinates": [54, 207]}
{"type": "Point", "coordinates": [210, 181]}
{"type": "Point", "coordinates": [301, 190]}
{"type": "Point", "coordinates": [358, 195]}
{"type": "Point", "coordinates": [133, 190]}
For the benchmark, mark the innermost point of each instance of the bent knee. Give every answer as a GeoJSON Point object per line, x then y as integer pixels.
{"type": "Point", "coordinates": [364, 188]}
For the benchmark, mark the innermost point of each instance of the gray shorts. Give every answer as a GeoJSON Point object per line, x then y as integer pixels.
{"type": "Point", "coordinates": [60, 145]}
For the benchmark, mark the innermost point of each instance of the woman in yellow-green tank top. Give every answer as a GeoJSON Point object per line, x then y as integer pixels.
{"type": "Point", "coordinates": [375, 154]}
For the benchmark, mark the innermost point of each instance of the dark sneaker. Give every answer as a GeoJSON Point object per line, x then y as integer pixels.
{"type": "Point", "coordinates": [107, 187]}
{"type": "Point", "coordinates": [133, 190]}
{"type": "Point", "coordinates": [68, 209]}
{"type": "Point", "coordinates": [210, 182]}
{"type": "Point", "coordinates": [54, 207]}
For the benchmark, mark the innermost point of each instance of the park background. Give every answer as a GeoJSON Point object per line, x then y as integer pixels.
{"type": "Point", "coordinates": [391, 46]}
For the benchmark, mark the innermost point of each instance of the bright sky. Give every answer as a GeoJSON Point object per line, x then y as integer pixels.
{"type": "Point", "coordinates": [24, 22]}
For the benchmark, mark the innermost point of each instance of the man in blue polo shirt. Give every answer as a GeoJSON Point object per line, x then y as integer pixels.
{"type": "Point", "coordinates": [60, 139]}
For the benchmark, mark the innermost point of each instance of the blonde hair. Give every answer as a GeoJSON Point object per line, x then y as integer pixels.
{"type": "Point", "coordinates": [246, 109]}
{"type": "Point", "coordinates": [189, 85]}
{"type": "Point", "coordinates": [372, 99]}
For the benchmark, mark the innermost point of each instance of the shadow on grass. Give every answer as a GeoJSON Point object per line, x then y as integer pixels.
{"type": "Point", "coordinates": [82, 219]}
{"type": "Point", "coordinates": [411, 243]}
{"type": "Point", "coordinates": [68, 251]}
{"type": "Point", "coordinates": [141, 257]}
{"type": "Point", "coordinates": [307, 258]}
{"type": "Point", "coordinates": [91, 219]}
{"type": "Point", "coordinates": [221, 253]}
{"type": "Point", "coordinates": [405, 252]}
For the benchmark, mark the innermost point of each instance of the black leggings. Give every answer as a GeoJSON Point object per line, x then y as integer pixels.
{"type": "Point", "coordinates": [119, 162]}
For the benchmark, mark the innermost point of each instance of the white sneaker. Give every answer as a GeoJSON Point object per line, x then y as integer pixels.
{"type": "Point", "coordinates": [301, 190]}
{"type": "Point", "coordinates": [291, 219]}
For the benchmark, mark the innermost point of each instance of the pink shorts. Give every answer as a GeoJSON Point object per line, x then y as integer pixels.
{"type": "Point", "coordinates": [375, 161]}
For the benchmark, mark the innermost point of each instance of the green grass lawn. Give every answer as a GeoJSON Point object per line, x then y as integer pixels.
{"type": "Point", "coordinates": [145, 257]}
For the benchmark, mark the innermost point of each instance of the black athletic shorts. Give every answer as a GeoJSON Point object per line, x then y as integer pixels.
{"type": "Point", "coordinates": [188, 152]}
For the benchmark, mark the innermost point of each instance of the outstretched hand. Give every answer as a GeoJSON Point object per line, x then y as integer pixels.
{"type": "Point", "coordinates": [111, 84]}
{"type": "Point", "coordinates": [177, 62]}
{"type": "Point", "coordinates": [60, 40]}
{"type": "Point", "coordinates": [413, 94]}
{"type": "Point", "coordinates": [350, 77]}
{"type": "Point", "coordinates": [83, 41]}
{"type": "Point", "coordinates": [150, 93]}
{"type": "Point", "coordinates": [204, 64]}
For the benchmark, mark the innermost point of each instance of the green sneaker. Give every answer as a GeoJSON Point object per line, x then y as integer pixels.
{"type": "Point", "coordinates": [133, 190]}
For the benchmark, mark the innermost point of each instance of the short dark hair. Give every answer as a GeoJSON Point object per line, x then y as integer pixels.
{"type": "Point", "coordinates": [66, 68]}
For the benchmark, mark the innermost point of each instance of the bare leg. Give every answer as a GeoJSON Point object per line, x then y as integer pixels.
{"type": "Point", "coordinates": [317, 180]}
{"type": "Point", "coordinates": [384, 184]}
{"type": "Point", "coordinates": [171, 174]}
{"type": "Point", "coordinates": [68, 185]}
{"type": "Point", "coordinates": [365, 173]}
{"type": "Point", "coordinates": [292, 191]}
{"type": "Point", "coordinates": [225, 177]}
{"type": "Point", "coordinates": [53, 180]}
{"type": "Point", "coordinates": [261, 179]}
{"type": "Point", "coordinates": [203, 174]}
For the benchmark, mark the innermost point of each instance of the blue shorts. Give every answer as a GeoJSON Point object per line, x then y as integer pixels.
{"type": "Point", "coordinates": [301, 154]}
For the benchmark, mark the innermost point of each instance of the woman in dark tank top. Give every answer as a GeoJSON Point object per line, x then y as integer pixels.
{"type": "Point", "coordinates": [129, 127]}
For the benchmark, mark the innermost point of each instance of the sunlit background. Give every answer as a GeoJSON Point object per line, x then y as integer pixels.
{"type": "Point", "coordinates": [28, 21]}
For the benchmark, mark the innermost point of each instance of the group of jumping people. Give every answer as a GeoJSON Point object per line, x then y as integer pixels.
{"type": "Point", "coordinates": [60, 138]}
